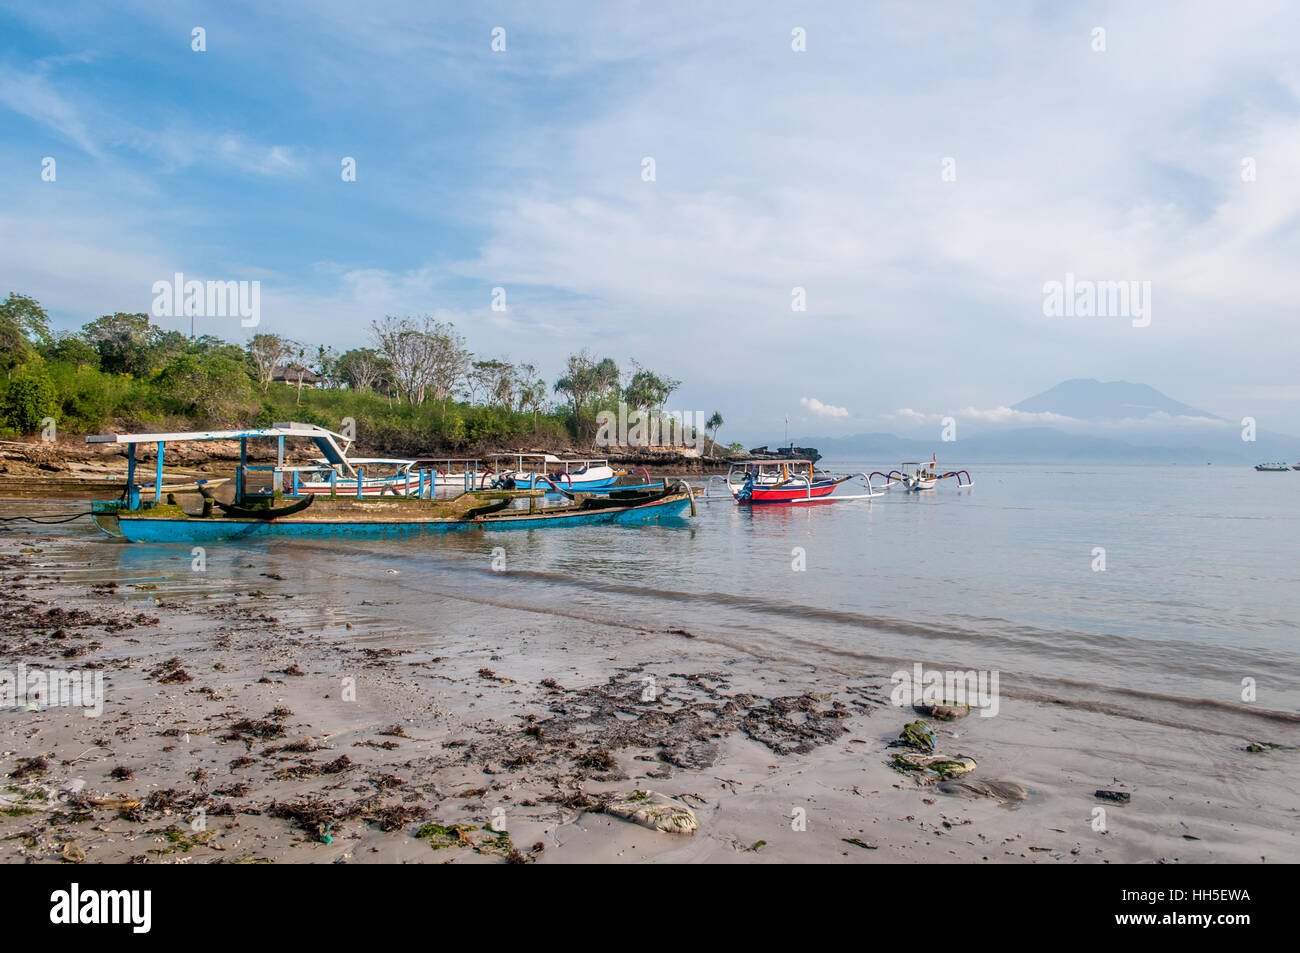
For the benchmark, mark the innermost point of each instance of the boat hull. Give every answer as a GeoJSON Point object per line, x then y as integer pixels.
{"type": "Point", "coordinates": [155, 529]}
{"type": "Point", "coordinates": [762, 496]}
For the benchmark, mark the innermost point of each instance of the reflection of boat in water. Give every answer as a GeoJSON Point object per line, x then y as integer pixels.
{"type": "Point", "coordinates": [1273, 467]}
{"type": "Point", "coordinates": [916, 475]}
{"type": "Point", "coordinates": [269, 511]}
{"type": "Point", "coordinates": [761, 481]}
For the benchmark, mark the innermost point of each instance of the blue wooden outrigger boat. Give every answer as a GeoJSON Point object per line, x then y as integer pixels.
{"type": "Point", "coordinates": [272, 510]}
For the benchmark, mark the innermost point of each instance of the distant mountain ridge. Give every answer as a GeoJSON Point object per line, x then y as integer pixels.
{"type": "Point", "coordinates": [1089, 399]}
{"type": "Point", "coordinates": [1083, 400]}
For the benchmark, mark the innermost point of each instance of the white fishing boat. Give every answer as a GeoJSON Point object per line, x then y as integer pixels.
{"type": "Point", "coordinates": [917, 475]}
{"type": "Point", "coordinates": [538, 471]}
{"type": "Point", "coordinates": [1272, 467]}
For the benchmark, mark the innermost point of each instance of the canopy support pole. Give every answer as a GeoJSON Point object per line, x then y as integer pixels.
{"type": "Point", "coordinates": [132, 493]}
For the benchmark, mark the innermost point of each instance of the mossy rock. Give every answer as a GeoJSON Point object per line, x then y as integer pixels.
{"type": "Point", "coordinates": [655, 811]}
{"type": "Point", "coordinates": [943, 710]}
{"type": "Point", "coordinates": [916, 734]}
{"type": "Point", "coordinates": [933, 768]}
{"type": "Point", "coordinates": [450, 835]}
{"type": "Point", "coordinates": [485, 841]}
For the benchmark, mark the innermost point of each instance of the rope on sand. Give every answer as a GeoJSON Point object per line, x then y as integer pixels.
{"type": "Point", "coordinates": [42, 519]}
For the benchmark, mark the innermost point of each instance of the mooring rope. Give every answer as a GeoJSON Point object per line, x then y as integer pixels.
{"type": "Point", "coordinates": [41, 519]}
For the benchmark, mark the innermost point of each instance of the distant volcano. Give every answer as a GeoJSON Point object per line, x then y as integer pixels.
{"type": "Point", "coordinates": [1086, 399]}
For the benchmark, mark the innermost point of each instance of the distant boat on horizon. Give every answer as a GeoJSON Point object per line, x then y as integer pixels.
{"type": "Point", "coordinates": [1274, 467]}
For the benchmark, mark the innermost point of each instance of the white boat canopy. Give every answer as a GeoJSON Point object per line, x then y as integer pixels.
{"type": "Point", "coordinates": [288, 429]}
{"type": "Point", "coordinates": [333, 445]}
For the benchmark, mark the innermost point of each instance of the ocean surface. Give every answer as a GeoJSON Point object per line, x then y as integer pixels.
{"type": "Point", "coordinates": [1200, 587]}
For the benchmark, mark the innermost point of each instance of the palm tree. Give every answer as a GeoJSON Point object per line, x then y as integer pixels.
{"type": "Point", "coordinates": [713, 423]}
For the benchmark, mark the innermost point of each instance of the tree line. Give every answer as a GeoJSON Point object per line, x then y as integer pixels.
{"type": "Point", "coordinates": [415, 381]}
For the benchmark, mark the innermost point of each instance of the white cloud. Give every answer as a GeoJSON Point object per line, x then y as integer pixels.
{"type": "Point", "coordinates": [823, 410]}
{"type": "Point", "coordinates": [257, 158]}
{"type": "Point", "coordinates": [34, 96]}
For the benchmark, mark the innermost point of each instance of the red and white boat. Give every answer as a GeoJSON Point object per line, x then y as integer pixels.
{"type": "Point", "coordinates": [761, 482]}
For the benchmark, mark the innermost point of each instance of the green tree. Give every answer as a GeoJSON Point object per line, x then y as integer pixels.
{"type": "Point", "coordinates": [647, 390]}
{"type": "Point", "coordinates": [531, 391]}
{"type": "Point", "coordinates": [266, 352]}
{"type": "Point", "coordinates": [423, 356]}
{"type": "Point", "coordinates": [211, 389]}
{"type": "Point", "coordinates": [73, 350]}
{"type": "Point", "coordinates": [496, 380]}
{"type": "Point", "coordinates": [363, 369]}
{"type": "Point", "coordinates": [22, 322]}
{"type": "Point", "coordinates": [712, 425]}
{"type": "Point", "coordinates": [587, 383]}
{"type": "Point", "coordinates": [29, 399]}
{"type": "Point", "coordinates": [129, 344]}
{"type": "Point", "coordinates": [326, 365]}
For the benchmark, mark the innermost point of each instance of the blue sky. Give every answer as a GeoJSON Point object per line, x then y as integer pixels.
{"type": "Point", "coordinates": [775, 169]}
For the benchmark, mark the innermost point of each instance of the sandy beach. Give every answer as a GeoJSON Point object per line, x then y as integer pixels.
{"type": "Point", "coordinates": [264, 723]}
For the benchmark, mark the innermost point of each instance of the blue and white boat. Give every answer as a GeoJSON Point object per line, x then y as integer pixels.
{"type": "Point", "coordinates": [261, 505]}
{"type": "Point", "coordinates": [533, 471]}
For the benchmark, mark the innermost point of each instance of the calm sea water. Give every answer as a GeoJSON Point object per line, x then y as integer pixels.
{"type": "Point", "coordinates": [1201, 585]}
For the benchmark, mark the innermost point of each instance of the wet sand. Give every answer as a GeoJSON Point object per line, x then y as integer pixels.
{"type": "Point", "coordinates": [307, 719]}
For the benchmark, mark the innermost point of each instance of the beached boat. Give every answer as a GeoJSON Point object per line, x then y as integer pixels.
{"type": "Point", "coordinates": [762, 481]}
{"type": "Point", "coordinates": [918, 475]}
{"type": "Point", "coordinates": [1272, 467]}
{"type": "Point", "coordinates": [531, 471]}
{"type": "Point", "coordinates": [387, 476]}
{"type": "Point", "coordinates": [196, 486]}
{"type": "Point", "coordinates": [268, 511]}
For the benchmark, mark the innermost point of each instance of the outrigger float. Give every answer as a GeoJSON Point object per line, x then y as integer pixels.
{"type": "Point", "coordinates": [280, 509]}
{"type": "Point", "coordinates": [921, 476]}
{"type": "Point", "coordinates": [765, 481]}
